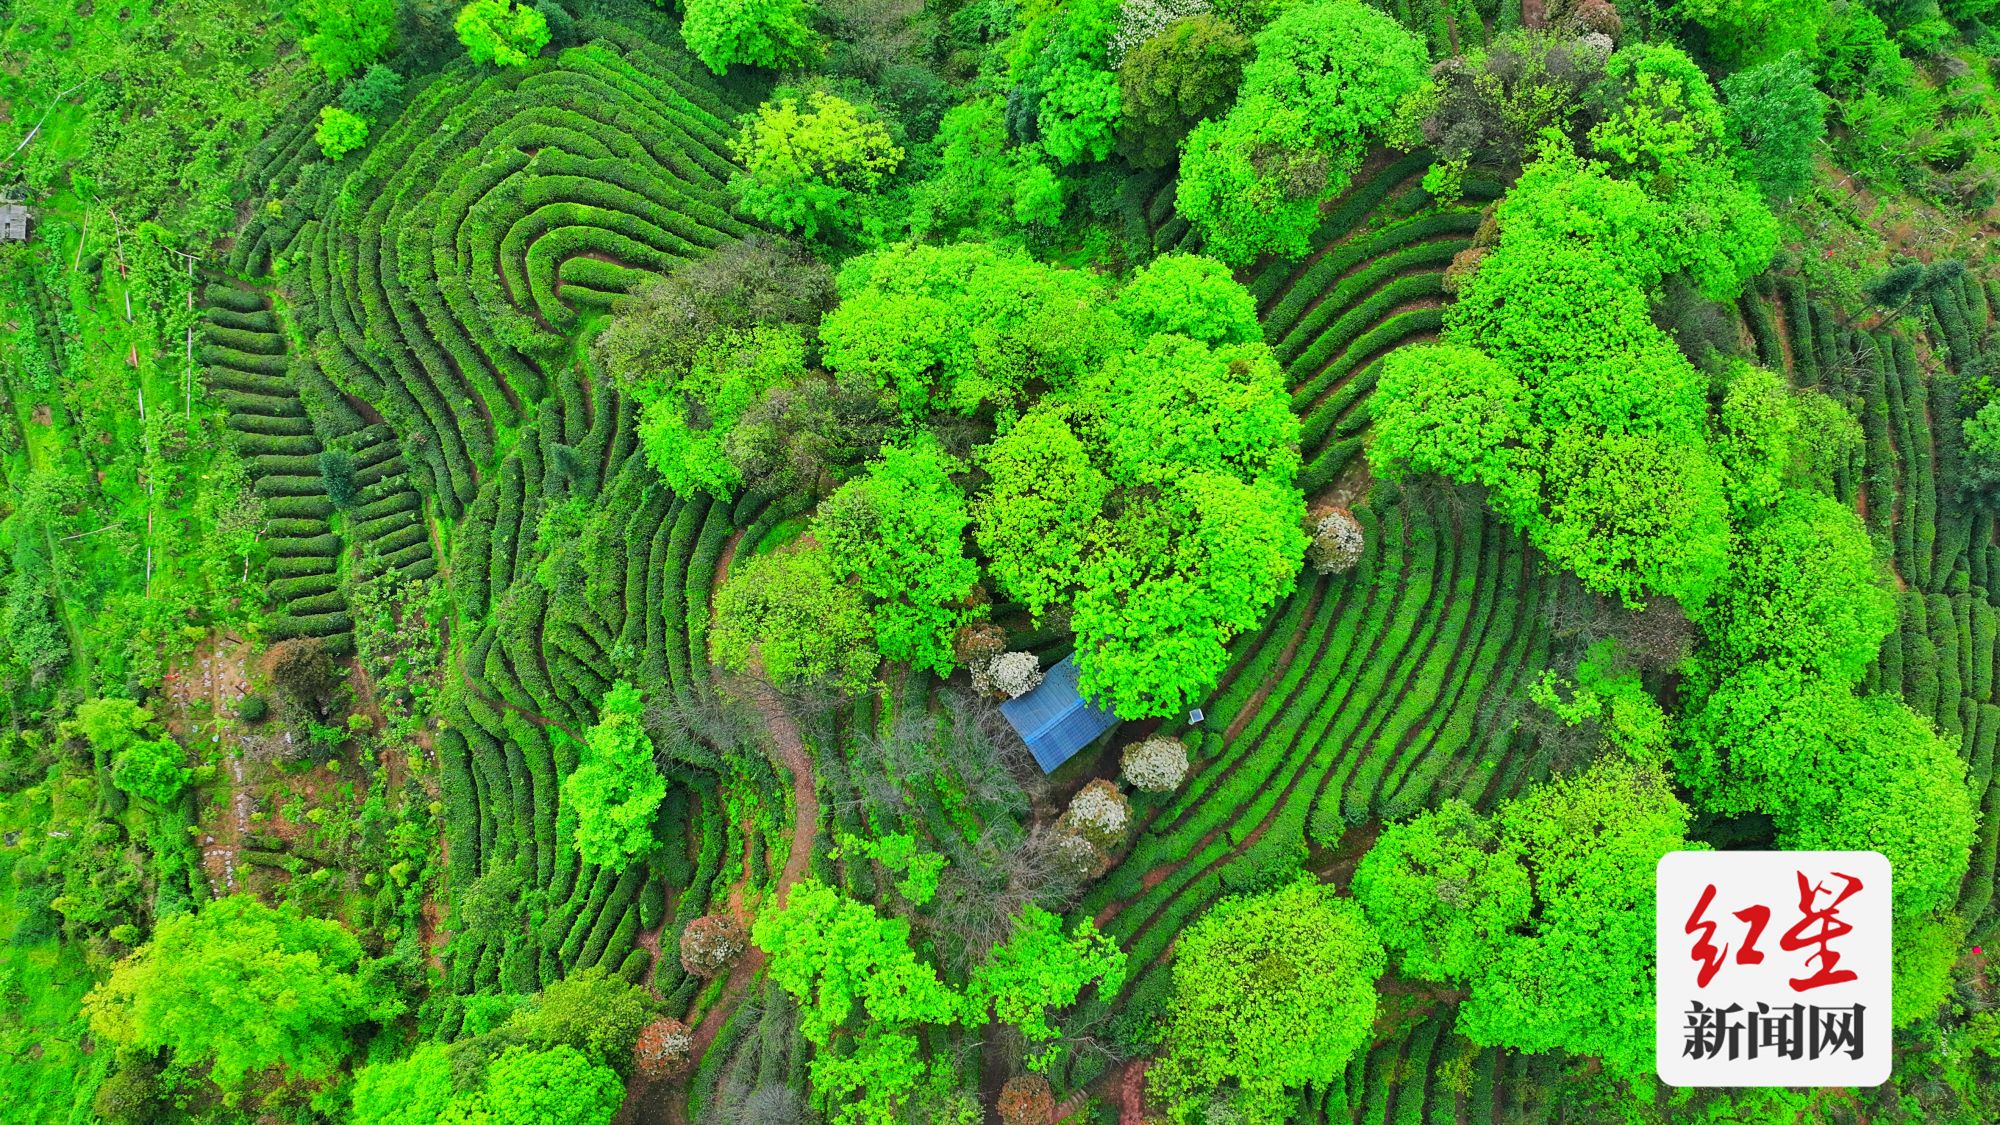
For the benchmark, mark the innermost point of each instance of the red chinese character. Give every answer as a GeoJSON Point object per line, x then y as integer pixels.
{"type": "Point", "coordinates": [1830, 927]}
{"type": "Point", "coordinates": [1758, 917]}
{"type": "Point", "coordinates": [1704, 947]}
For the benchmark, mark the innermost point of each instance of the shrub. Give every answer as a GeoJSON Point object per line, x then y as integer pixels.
{"type": "Point", "coordinates": [711, 944]}
{"type": "Point", "coordinates": [502, 32]}
{"type": "Point", "coordinates": [1157, 765]}
{"type": "Point", "coordinates": [339, 132]}
{"type": "Point", "coordinates": [1026, 1099]}
{"type": "Point", "coordinates": [665, 1050]}
{"type": "Point", "coordinates": [1098, 813]}
{"type": "Point", "coordinates": [1012, 674]}
{"type": "Point", "coordinates": [770, 33]}
{"type": "Point", "coordinates": [1337, 542]}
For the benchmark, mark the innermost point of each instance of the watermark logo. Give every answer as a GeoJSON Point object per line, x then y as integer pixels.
{"type": "Point", "coordinates": [1773, 969]}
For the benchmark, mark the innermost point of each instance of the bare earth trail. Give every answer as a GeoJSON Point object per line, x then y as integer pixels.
{"type": "Point", "coordinates": [788, 750]}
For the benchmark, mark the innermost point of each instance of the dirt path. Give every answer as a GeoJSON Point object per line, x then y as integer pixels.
{"type": "Point", "coordinates": [789, 751]}
{"type": "Point", "coordinates": [214, 675]}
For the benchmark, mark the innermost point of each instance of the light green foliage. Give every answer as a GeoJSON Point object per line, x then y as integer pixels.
{"type": "Point", "coordinates": [900, 529]}
{"type": "Point", "coordinates": [1151, 487]}
{"type": "Point", "coordinates": [558, 1086]}
{"type": "Point", "coordinates": [1061, 71]}
{"type": "Point", "coordinates": [1666, 118]}
{"type": "Point", "coordinates": [1178, 406]}
{"type": "Point", "coordinates": [1746, 32]}
{"type": "Point", "coordinates": [409, 1091]}
{"type": "Point", "coordinates": [815, 170]}
{"type": "Point", "coordinates": [502, 32]}
{"type": "Point", "coordinates": [1982, 449]}
{"type": "Point", "coordinates": [1836, 771]}
{"type": "Point", "coordinates": [250, 990]}
{"type": "Point", "coordinates": [1176, 577]}
{"type": "Point", "coordinates": [873, 1084]}
{"type": "Point", "coordinates": [339, 132]}
{"type": "Point", "coordinates": [1926, 949]}
{"type": "Point", "coordinates": [689, 426]}
{"type": "Point", "coordinates": [1183, 75]}
{"type": "Point", "coordinates": [769, 33]}
{"type": "Point", "coordinates": [1608, 691]}
{"type": "Point", "coordinates": [1039, 969]}
{"type": "Point", "coordinates": [1579, 415]}
{"type": "Point", "coordinates": [832, 952]}
{"type": "Point", "coordinates": [1501, 905]}
{"type": "Point", "coordinates": [965, 327]}
{"type": "Point", "coordinates": [982, 186]}
{"type": "Point", "coordinates": [1757, 434]}
{"type": "Point", "coordinates": [149, 768]}
{"type": "Point", "coordinates": [1191, 296]}
{"type": "Point", "coordinates": [1040, 513]}
{"type": "Point", "coordinates": [594, 1011]}
{"type": "Point", "coordinates": [1778, 120]}
{"type": "Point", "coordinates": [899, 854]}
{"type": "Point", "coordinates": [343, 36]}
{"type": "Point", "coordinates": [1326, 80]}
{"type": "Point", "coordinates": [1271, 992]}
{"type": "Point", "coordinates": [616, 788]}
{"type": "Point", "coordinates": [1079, 112]}
{"type": "Point", "coordinates": [786, 617]}
{"type": "Point", "coordinates": [1804, 592]}
{"type": "Point", "coordinates": [1452, 410]}
{"type": "Point", "coordinates": [1442, 892]}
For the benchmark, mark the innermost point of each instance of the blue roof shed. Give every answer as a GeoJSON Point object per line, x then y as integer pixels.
{"type": "Point", "coordinates": [1055, 720]}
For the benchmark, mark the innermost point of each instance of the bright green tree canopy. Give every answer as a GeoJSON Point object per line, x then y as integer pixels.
{"type": "Point", "coordinates": [502, 32]}
{"type": "Point", "coordinates": [1272, 992]}
{"type": "Point", "coordinates": [246, 988]}
{"type": "Point", "coordinates": [616, 789]}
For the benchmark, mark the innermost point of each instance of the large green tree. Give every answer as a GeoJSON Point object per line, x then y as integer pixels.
{"type": "Point", "coordinates": [1836, 771]}
{"type": "Point", "coordinates": [250, 991]}
{"type": "Point", "coordinates": [1325, 82]}
{"type": "Point", "coordinates": [1186, 73]}
{"type": "Point", "coordinates": [1039, 968]}
{"type": "Point", "coordinates": [816, 170]}
{"type": "Point", "coordinates": [789, 619]}
{"type": "Point", "coordinates": [834, 953]}
{"type": "Point", "coordinates": [1505, 905]}
{"type": "Point", "coordinates": [343, 36]}
{"type": "Point", "coordinates": [615, 788]}
{"type": "Point", "coordinates": [1271, 992]}
{"type": "Point", "coordinates": [899, 528]}
{"type": "Point", "coordinates": [502, 32]}
{"type": "Point", "coordinates": [769, 33]}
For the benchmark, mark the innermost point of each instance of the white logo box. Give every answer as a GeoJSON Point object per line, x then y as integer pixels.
{"type": "Point", "coordinates": [1773, 1011]}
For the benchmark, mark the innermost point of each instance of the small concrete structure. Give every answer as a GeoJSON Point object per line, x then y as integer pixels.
{"type": "Point", "coordinates": [14, 219]}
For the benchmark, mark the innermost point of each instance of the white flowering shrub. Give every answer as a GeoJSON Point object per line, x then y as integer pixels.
{"type": "Point", "coordinates": [1013, 674]}
{"type": "Point", "coordinates": [1157, 765]}
{"type": "Point", "coordinates": [1140, 20]}
{"type": "Point", "coordinates": [1336, 542]}
{"type": "Point", "coordinates": [1098, 813]}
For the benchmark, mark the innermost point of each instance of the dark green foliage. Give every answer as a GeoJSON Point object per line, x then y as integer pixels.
{"type": "Point", "coordinates": [1184, 74]}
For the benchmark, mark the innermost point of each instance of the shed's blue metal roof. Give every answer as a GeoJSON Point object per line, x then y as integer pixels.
{"type": "Point", "coordinates": [1054, 719]}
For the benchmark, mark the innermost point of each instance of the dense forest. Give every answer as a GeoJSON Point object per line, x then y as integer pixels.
{"type": "Point", "coordinates": [529, 530]}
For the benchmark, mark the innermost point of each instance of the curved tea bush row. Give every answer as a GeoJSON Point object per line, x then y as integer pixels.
{"type": "Point", "coordinates": [439, 280]}
{"type": "Point", "coordinates": [246, 366]}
